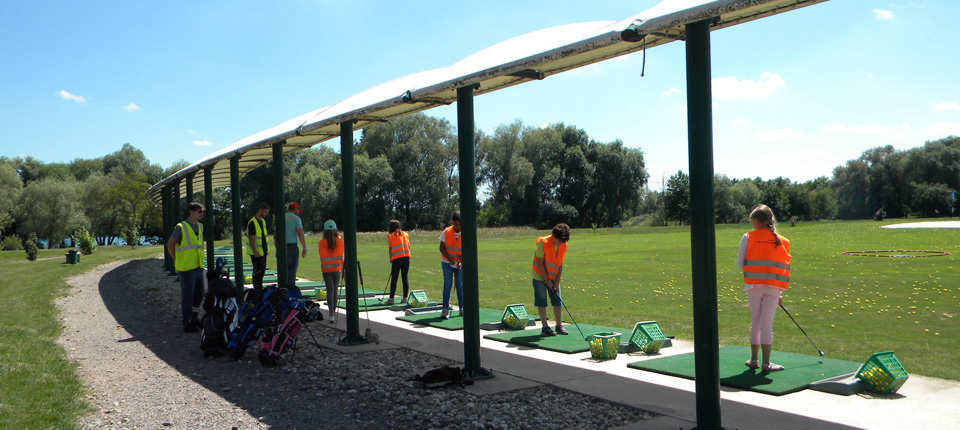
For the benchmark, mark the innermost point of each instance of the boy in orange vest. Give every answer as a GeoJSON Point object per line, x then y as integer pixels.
{"type": "Point", "coordinates": [547, 268]}
{"type": "Point", "coordinates": [450, 264]}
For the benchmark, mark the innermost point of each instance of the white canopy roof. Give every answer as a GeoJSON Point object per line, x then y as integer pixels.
{"type": "Point", "coordinates": [531, 56]}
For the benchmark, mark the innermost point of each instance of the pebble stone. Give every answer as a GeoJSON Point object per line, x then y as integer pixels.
{"type": "Point", "coordinates": [169, 384]}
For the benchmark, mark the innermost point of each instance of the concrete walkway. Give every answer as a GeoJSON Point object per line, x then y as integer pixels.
{"type": "Point", "coordinates": [922, 403]}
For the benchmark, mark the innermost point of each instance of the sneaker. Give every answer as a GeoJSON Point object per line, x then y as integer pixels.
{"type": "Point", "coordinates": [333, 319]}
{"type": "Point", "coordinates": [389, 301]}
{"type": "Point", "coordinates": [561, 330]}
{"type": "Point", "coordinates": [445, 314]}
{"type": "Point", "coordinates": [546, 331]}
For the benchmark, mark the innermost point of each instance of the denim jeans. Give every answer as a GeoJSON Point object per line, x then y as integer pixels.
{"type": "Point", "coordinates": [293, 263]}
{"type": "Point", "coordinates": [448, 274]}
{"type": "Point", "coordinates": [191, 294]}
{"type": "Point", "coordinates": [540, 292]}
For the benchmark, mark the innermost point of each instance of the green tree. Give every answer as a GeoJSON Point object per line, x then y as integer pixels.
{"type": "Point", "coordinates": [52, 209]}
{"type": "Point", "coordinates": [10, 189]}
{"type": "Point", "coordinates": [96, 204]}
{"type": "Point", "coordinates": [676, 200]}
{"type": "Point", "coordinates": [928, 198]}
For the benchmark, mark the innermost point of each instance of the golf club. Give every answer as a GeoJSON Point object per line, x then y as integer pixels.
{"type": "Point", "coordinates": [389, 278]}
{"type": "Point", "coordinates": [572, 319]}
{"type": "Point", "coordinates": [801, 329]}
{"type": "Point", "coordinates": [369, 334]}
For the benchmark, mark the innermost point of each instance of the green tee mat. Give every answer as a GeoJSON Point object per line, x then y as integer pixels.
{"type": "Point", "coordinates": [799, 370]}
{"type": "Point", "coordinates": [308, 291]}
{"type": "Point", "coordinates": [367, 304]}
{"type": "Point", "coordinates": [570, 344]}
{"type": "Point", "coordinates": [454, 323]}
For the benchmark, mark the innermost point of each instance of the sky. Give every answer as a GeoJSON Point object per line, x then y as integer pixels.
{"type": "Point", "coordinates": [794, 95]}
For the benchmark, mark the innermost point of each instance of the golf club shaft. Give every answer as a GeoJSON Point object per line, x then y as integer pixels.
{"type": "Point", "coordinates": [801, 329]}
{"type": "Point", "coordinates": [367, 308]}
{"type": "Point", "coordinates": [571, 317]}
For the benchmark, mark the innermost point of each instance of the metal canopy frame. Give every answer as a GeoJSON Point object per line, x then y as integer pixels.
{"type": "Point", "coordinates": [532, 56]}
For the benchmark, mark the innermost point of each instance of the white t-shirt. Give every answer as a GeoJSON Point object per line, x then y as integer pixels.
{"type": "Point", "coordinates": [443, 239]}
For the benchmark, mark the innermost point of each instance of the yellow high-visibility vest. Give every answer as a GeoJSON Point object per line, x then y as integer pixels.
{"type": "Point", "coordinates": [190, 249]}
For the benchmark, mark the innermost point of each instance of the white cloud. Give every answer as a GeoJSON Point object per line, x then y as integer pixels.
{"type": "Point", "coordinates": [67, 96]}
{"type": "Point", "coordinates": [203, 142]}
{"type": "Point", "coordinates": [131, 107]}
{"type": "Point", "coordinates": [884, 131]}
{"type": "Point", "coordinates": [192, 131]}
{"type": "Point", "coordinates": [945, 106]}
{"type": "Point", "coordinates": [740, 121]}
{"type": "Point", "coordinates": [882, 14]}
{"type": "Point", "coordinates": [669, 92]}
{"type": "Point", "coordinates": [731, 88]}
{"type": "Point", "coordinates": [943, 129]}
{"type": "Point", "coordinates": [778, 135]}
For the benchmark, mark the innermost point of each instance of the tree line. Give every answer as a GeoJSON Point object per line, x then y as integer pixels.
{"type": "Point", "coordinates": [882, 182]}
{"type": "Point", "coordinates": [407, 169]}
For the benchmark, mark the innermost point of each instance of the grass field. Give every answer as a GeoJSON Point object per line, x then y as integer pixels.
{"type": "Point", "coordinates": [850, 306]}
{"type": "Point", "coordinates": [39, 388]}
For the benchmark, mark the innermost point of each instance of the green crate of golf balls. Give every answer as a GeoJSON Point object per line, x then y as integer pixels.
{"type": "Point", "coordinates": [647, 336]}
{"type": "Point", "coordinates": [515, 317]}
{"type": "Point", "coordinates": [883, 373]}
{"type": "Point", "coordinates": [320, 293]}
{"type": "Point", "coordinates": [604, 345]}
{"type": "Point", "coordinates": [417, 299]}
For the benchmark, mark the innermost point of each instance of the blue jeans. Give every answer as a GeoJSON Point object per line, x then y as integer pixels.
{"type": "Point", "coordinates": [191, 294]}
{"type": "Point", "coordinates": [448, 274]}
{"type": "Point", "coordinates": [540, 292]}
{"type": "Point", "coordinates": [293, 263]}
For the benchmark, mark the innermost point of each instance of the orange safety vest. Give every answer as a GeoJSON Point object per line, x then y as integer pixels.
{"type": "Point", "coordinates": [766, 263]}
{"type": "Point", "coordinates": [452, 244]}
{"type": "Point", "coordinates": [553, 257]}
{"type": "Point", "coordinates": [331, 261]}
{"type": "Point", "coordinates": [399, 244]}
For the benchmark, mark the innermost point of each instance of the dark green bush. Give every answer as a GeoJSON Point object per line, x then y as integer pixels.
{"type": "Point", "coordinates": [31, 247]}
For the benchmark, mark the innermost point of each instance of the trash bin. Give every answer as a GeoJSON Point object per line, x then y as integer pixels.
{"type": "Point", "coordinates": [72, 256]}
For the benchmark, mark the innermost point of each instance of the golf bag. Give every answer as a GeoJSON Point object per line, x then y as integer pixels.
{"type": "Point", "coordinates": [293, 312]}
{"type": "Point", "coordinates": [275, 345]}
{"type": "Point", "coordinates": [221, 314]}
{"type": "Point", "coordinates": [255, 316]}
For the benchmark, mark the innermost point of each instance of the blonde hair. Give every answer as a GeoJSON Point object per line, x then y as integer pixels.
{"type": "Point", "coordinates": [764, 215]}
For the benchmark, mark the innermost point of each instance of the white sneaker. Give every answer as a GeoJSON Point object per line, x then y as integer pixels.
{"type": "Point", "coordinates": [333, 319]}
{"type": "Point", "coordinates": [389, 301]}
{"type": "Point", "coordinates": [445, 314]}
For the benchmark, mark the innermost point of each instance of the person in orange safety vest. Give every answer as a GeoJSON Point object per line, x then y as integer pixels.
{"type": "Point", "coordinates": [450, 264]}
{"type": "Point", "coordinates": [547, 268]}
{"type": "Point", "coordinates": [398, 248]}
{"type": "Point", "coordinates": [764, 258]}
{"type": "Point", "coordinates": [331, 264]}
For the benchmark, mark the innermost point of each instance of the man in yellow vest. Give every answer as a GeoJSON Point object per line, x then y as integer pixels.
{"type": "Point", "coordinates": [547, 268]}
{"type": "Point", "coordinates": [257, 247]}
{"type": "Point", "coordinates": [186, 247]}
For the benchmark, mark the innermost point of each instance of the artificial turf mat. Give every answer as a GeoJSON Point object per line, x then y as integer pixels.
{"type": "Point", "coordinates": [454, 323]}
{"type": "Point", "coordinates": [342, 292]}
{"type": "Point", "coordinates": [799, 369]}
{"type": "Point", "coordinates": [569, 344]}
{"type": "Point", "coordinates": [366, 304]}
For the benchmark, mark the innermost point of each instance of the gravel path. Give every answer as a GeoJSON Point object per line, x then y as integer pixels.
{"type": "Point", "coordinates": [122, 326]}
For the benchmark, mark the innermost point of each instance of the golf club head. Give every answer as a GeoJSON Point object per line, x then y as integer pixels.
{"type": "Point", "coordinates": [821, 353]}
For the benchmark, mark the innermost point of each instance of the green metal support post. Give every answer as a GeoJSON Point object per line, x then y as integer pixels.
{"type": "Point", "coordinates": [175, 213]}
{"type": "Point", "coordinates": [350, 235]}
{"type": "Point", "coordinates": [468, 242]}
{"type": "Point", "coordinates": [279, 210]}
{"type": "Point", "coordinates": [237, 225]}
{"type": "Point", "coordinates": [703, 251]}
{"type": "Point", "coordinates": [208, 218]}
{"type": "Point", "coordinates": [165, 212]}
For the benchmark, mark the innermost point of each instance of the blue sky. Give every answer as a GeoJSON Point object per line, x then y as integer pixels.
{"type": "Point", "coordinates": [795, 95]}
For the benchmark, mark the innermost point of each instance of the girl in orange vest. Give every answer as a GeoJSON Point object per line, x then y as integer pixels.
{"type": "Point", "coordinates": [764, 258]}
{"type": "Point", "coordinates": [331, 263]}
{"type": "Point", "coordinates": [450, 264]}
{"type": "Point", "coordinates": [398, 247]}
